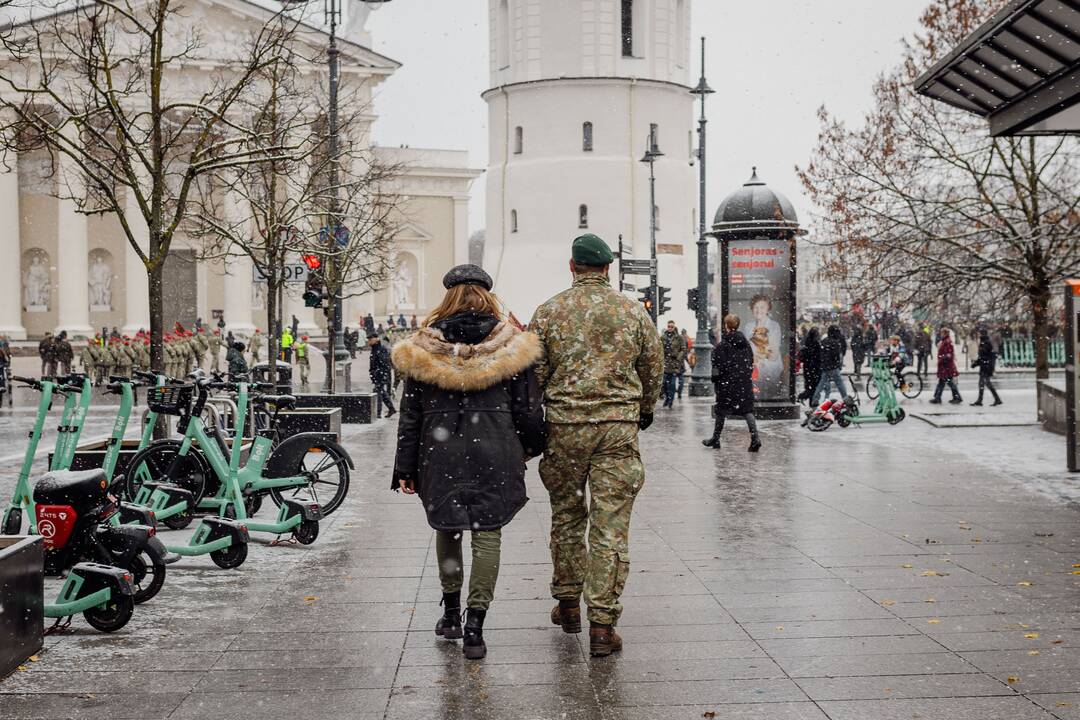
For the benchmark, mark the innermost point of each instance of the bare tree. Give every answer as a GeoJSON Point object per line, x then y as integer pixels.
{"type": "Point", "coordinates": [139, 104]}
{"type": "Point", "coordinates": [919, 205]}
{"type": "Point", "coordinates": [286, 201]}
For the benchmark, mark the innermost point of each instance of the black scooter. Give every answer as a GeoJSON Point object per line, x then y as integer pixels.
{"type": "Point", "coordinates": [75, 517]}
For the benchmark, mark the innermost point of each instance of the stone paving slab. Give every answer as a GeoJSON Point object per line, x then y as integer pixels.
{"type": "Point", "coordinates": [880, 573]}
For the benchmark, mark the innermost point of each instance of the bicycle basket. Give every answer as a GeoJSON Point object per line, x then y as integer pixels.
{"type": "Point", "coordinates": [170, 399]}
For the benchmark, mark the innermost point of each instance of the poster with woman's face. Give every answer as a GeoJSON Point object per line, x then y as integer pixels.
{"type": "Point", "coordinates": [759, 286]}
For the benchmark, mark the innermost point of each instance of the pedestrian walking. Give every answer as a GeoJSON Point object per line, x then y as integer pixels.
{"type": "Point", "coordinates": [732, 376]}
{"type": "Point", "coordinates": [832, 360]}
{"type": "Point", "coordinates": [689, 359]}
{"type": "Point", "coordinates": [349, 339]}
{"type": "Point", "coordinates": [986, 362]}
{"type": "Point", "coordinates": [810, 356]}
{"type": "Point", "coordinates": [471, 417]}
{"type": "Point", "coordinates": [923, 351]}
{"type": "Point", "coordinates": [46, 352]}
{"type": "Point", "coordinates": [65, 354]}
{"type": "Point", "coordinates": [300, 349]}
{"type": "Point", "coordinates": [287, 340]}
{"type": "Point", "coordinates": [601, 377]}
{"type": "Point", "coordinates": [870, 339]}
{"type": "Point", "coordinates": [238, 368]}
{"type": "Point", "coordinates": [858, 352]}
{"type": "Point", "coordinates": [946, 369]}
{"type": "Point", "coordinates": [379, 370]}
{"type": "Point", "coordinates": [674, 357]}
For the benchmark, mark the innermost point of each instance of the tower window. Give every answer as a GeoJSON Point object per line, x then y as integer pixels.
{"type": "Point", "coordinates": [513, 221]}
{"type": "Point", "coordinates": [519, 140]}
{"type": "Point", "coordinates": [586, 137]}
{"type": "Point", "coordinates": [628, 28]}
{"type": "Point", "coordinates": [504, 31]}
{"type": "Point", "coordinates": [583, 216]}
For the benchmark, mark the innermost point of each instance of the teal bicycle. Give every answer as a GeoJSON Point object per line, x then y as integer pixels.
{"type": "Point", "coordinates": [306, 475]}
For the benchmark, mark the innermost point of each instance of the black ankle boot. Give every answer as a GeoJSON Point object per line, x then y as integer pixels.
{"type": "Point", "coordinates": [713, 442]}
{"type": "Point", "coordinates": [474, 647]}
{"type": "Point", "coordinates": [449, 625]}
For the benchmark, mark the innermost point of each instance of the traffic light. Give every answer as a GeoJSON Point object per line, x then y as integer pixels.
{"type": "Point", "coordinates": [313, 286]}
{"type": "Point", "coordinates": [692, 299]}
{"type": "Point", "coordinates": [647, 298]}
{"type": "Point", "coordinates": [312, 261]}
{"type": "Point", "coordinates": [663, 300]}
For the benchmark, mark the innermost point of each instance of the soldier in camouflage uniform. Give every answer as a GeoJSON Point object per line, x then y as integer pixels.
{"type": "Point", "coordinates": [125, 358]}
{"type": "Point", "coordinates": [601, 378]}
{"type": "Point", "coordinates": [200, 344]}
{"type": "Point", "coordinates": [255, 346]}
{"type": "Point", "coordinates": [86, 357]}
{"type": "Point", "coordinates": [213, 344]}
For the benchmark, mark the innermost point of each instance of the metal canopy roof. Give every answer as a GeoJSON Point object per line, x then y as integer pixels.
{"type": "Point", "coordinates": [1020, 70]}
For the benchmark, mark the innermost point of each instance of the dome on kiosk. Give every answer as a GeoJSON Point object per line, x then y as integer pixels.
{"type": "Point", "coordinates": [755, 207]}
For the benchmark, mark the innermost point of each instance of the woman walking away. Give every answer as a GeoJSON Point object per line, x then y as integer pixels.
{"type": "Point", "coordinates": [471, 417]}
{"type": "Point", "coordinates": [732, 367]}
{"type": "Point", "coordinates": [986, 361]}
{"type": "Point", "coordinates": [946, 370]}
{"type": "Point", "coordinates": [810, 355]}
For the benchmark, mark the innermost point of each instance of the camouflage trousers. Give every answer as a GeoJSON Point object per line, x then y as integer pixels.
{"type": "Point", "coordinates": [604, 458]}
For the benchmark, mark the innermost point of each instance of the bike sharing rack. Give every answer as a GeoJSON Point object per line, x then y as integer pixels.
{"type": "Point", "coordinates": [887, 409]}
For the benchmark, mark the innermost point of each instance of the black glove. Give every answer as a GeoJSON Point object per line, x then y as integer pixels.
{"type": "Point", "coordinates": [644, 421]}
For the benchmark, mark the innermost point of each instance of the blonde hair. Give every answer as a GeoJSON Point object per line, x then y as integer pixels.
{"type": "Point", "coordinates": [731, 322]}
{"type": "Point", "coordinates": [462, 298]}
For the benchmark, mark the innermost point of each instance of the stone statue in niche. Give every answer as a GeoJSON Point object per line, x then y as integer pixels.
{"type": "Point", "coordinates": [37, 285]}
{"type": "Point", "coordinates": [401, 285]}
{"type": "Point", "coordinates": [258, 296]}
{"type": "Point", "coordinates": [100, 277]}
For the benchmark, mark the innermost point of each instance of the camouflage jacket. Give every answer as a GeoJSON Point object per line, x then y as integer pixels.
{"type": "Point", "coordinates": [674, 351]}
{"type": "Point", "coordinates": [603, 360]}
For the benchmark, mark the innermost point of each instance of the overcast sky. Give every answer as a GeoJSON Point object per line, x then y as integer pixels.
{"type": "Point", "coordinates": [772, 63]}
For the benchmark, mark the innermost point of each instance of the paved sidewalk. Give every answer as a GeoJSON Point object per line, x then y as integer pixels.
{"type": "Point", "coordinates": [882, 572]}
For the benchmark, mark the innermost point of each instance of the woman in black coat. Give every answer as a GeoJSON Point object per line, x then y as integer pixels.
{"type": "Point", "coordinates": [471, 417]}
{"type": "Point", "coordinates": [810, 355]}
{"type": "Point", "coordinates": [732, 376]}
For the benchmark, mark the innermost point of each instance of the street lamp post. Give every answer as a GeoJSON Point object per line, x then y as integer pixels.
{"type": "Point", "coordinates": [701, 376]}
{"type": "Point", "coordinates": [336, 352]}
{"type": "Point", "coordinates": [652, 152]}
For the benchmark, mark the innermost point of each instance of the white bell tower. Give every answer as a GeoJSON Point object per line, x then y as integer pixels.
{"type": "Point", "coordinates": [577, 88]}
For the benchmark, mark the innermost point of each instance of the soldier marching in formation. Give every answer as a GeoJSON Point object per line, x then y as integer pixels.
{"type": "Point", "coordinates": [213, 344]}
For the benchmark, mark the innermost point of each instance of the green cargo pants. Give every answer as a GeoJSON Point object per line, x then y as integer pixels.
{"type": "Point", "coordinates": [603, 457]}
{"type": "Point", "coordinates": [486, 547]}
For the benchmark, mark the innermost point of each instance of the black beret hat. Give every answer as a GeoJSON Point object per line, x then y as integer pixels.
{"type": "Point", "coordinates": [467, 275]}
{"type": "Point", "coordinates": [590, 250]}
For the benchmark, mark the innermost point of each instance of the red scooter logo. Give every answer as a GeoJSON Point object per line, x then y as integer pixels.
{"type": "Point", "coordinates": [55, 523]}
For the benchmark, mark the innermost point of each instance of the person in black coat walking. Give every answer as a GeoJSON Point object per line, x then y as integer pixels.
{"type": "Point", "coordinates": [380, 371]}
{"type": "Point", "coordinates": [986, 362]}
{"type": "Point", "coordinates": [810, 355]}
{"type": "Point", "coordinates": [833, 348]}
{"type": "Point", "coordinates": [732, 370]}
{"type": "Point", "coordinates": [471, 417]}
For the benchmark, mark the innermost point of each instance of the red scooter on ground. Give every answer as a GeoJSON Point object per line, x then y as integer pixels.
{"type": "Point", "coordinates": [838, 410]}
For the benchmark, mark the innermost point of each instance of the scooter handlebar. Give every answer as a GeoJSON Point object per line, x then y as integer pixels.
{"type": "Point", "coordinates": [33, 383]}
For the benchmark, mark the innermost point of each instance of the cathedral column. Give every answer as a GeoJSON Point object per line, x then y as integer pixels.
{"type": "Point", "coordinates": [461, 233]}
{"type": "Point", "coordinates": [73, 305]}
{"type": "Point", "coordinates": [238, 277]}
{"type": "Point", "coordinates": [11, 300]}
{"type": "Point", "coordinates": [136, 281]}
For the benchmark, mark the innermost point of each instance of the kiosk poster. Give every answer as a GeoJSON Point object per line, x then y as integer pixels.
{"type": "Point", "coordinates": [759, 292]}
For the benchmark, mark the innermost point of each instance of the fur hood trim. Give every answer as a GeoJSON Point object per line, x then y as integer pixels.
{"type": "Point", "coordinates": [429, 358]}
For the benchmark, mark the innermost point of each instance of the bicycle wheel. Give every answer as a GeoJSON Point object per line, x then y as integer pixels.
{"type": "Point", "coordinates": [871, 388]}
{"type": "Point", "coordinates": [148, 575]}
{"type": "Point", "coordinates": [151, 464]}
{"type": "Point", "coordinates": [911, 386]}
{"type": "Point", "coordinates": [327, 470]}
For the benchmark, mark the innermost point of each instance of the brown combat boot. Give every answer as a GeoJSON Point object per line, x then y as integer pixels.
{"type": "Point", "coordinates": [568, 614]}
{"type": "Point", "coordinates": [603, 640]}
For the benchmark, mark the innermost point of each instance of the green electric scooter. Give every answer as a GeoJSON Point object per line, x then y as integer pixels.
{"type": "Point", "coordinates": [168, 503]}
{"type": "Point", "coordinates": [102, 593]}
{"type": "Point", "coordinates": [78, 392]}
{"type": "Point", "coordinates": [22, 498]}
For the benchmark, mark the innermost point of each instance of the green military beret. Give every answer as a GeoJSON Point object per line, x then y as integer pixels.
{"type": "Point", "coordinates": [590, 250]}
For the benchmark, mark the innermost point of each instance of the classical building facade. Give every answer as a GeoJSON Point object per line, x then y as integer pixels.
{"type": "Point", "coordinates": [67, 271]}
{"type": "Point", "coordinates": [578, 88]}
